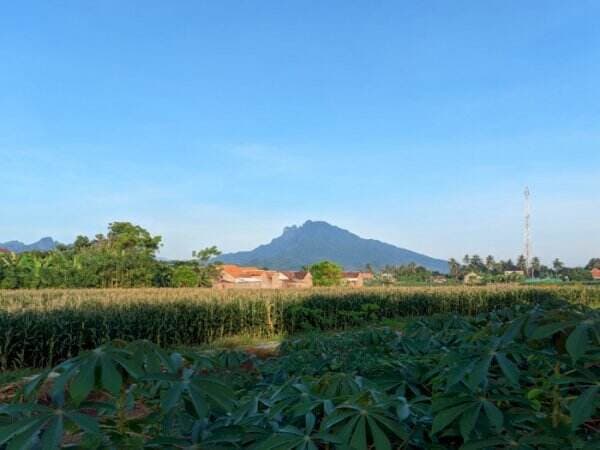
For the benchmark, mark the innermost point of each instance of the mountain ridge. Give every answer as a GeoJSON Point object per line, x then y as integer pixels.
{"type": "Point", "coordinates": [45, 244]}
{"type": "Point", "coordinates": [315, 241]}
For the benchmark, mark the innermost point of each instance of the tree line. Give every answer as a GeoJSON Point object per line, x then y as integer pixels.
{"type": "Point", "coordinates": [509, 269]}
{"type": "Point", "coordinates": [124, 257]}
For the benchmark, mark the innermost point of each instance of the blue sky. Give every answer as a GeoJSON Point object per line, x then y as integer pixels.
{"type": "Point", "coordinates": [417, 123]}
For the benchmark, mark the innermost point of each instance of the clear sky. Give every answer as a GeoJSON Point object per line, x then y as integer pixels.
{"type": "Point", "coordinates": [417, 123]}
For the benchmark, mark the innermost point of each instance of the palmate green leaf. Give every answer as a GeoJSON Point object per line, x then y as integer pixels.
{"type": "Point", "coordinates": [444, 418]}
{"type": "Point", "coordinates": [577, 341]}
{"type": "Point", "coordinates": [485, 444]}
{"type": "Point", "coordinates": [83, 421]}
{"type": "Point", "coordinates": [335, 418]}
{"type": "Point", "coordinates": [167, 442]}
{"type": "Point", "coordinates": [110, 377]}
{"type": "Point", "coordinates": [26, 426]}
{"type": "Point", "coordinates": [32, 386]}
{"type": "Point", "coordinates": [57, 392]}
{"type": "Point", "coordinates": [380, 440]}
{"type": "Point", "coordinates": [129, 365]}
{"type": "Point", "coordinates": [493, 414]}
{"type": "Point", "coordinates": [509, 369]}
{"type": "Point", "coordinates": [447, 401]}
{"type": "Point", "coordinates": [549, 329]}
{"type": "Point", "coordinates": [583, 408]}
{"type": "Point", "coordinates": [216, 391]}
{"type": "Point", "coordinates": [53, 434]}
{"type": "Point", "coordinates": [83, 382]}
{"type": "Point", "coordinates": [198, 401]}
{"type": "Point", "coordinates": [281, 441]}
{"type": "Point", "coordinates": [468, 420]}
{"type": "Point", "coordinates": [27, 439]}
{"type": "Point", "coordinates": [359, 436]}
{"type": "Point", "coordinates": [171, 397]}
{"type": "Point", "coordinates": [480, 372]}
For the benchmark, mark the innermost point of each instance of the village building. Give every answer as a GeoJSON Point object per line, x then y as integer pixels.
{"type": "Point", "coordinates": [439, 279]}
{"type": "Point", "coordinates": [518, 273]}
{"type": "Point", "coordinates": [298, 280]}
{"type": "Point", "coordinates": [355, 279]}
{"type": "Point", "coordinates": [4, 250]}
{"type": "Point", "coordinates": [232, 276]}
{"type": "Point", "coordinates": [596, 273]}
{"type": "Point", "coordinates": [472, 278]}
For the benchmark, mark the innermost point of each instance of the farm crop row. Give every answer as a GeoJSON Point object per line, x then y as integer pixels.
{"type": "Point", "coordinates": [524, 377]}
{"type": "Point", "coordinates": [41, 327]}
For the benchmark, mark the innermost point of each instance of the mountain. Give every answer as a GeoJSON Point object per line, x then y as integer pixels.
{"type": "Point", "coordinates": [43, 245]}
{"type": "Point", "coordinates": [317, 241]}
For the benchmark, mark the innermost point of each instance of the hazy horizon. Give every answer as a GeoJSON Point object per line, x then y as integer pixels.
{"type": "Point", "coordinates": [219, 124]}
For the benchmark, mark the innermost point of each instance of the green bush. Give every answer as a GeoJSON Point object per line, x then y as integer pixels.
{"type": "Point", "coordinates": [184, 276]}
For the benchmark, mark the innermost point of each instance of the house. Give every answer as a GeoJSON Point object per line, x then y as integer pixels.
{"type": "Point", "coordinates": [355, 279]}
{"type": "Point", "coordinates": [472, 278]}
{"type": "Point", "coordinates": [299, 280]}
{"type": "Point", "coordinates": [596, 273]}
{"type": "Point", "coordinates": [516, 273]}
{"type": "Point", "coordinates": [3, 250]}
{"type": "Point", "coordinates": [439, 279]}
{"type": "Point", "coordinates": [237, 277]}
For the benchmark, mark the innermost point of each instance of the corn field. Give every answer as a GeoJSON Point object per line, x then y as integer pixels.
{"type": "Point", "coordinates": [39, 328]}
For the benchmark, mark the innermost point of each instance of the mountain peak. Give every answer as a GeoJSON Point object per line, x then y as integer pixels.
{"type": "Point", "coordinates": [43, 245]}
{"type": "Point", "coordinates": [315, 241]}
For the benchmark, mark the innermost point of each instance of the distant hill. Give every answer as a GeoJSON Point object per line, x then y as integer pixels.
{"type": "Point", "coordinates": [43, 245]}
{"type": "Point", "coordinates": [317, 241]}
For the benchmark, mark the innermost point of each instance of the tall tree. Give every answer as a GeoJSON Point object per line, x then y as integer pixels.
{"type": "Point", "coordinates": [490, 263]}
{"type": "Point", "coordinates": [594, 263]}
{"type": "Point", "coordinates": [207, 271]}
{"type": "Point", "coordinates": [454, 268]}
{"type": "Point", "coordinates": [522, 263]}
{"type": "Point", "coordinates": [557, 266]}
{"type": "Point", "coordinates": [477, 263]}
{"type": "Point", "coordinates": [326, 273]}
{"type": "Point", "coordinates": [536, 266]}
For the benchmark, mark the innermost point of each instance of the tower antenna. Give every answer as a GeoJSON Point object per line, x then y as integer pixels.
{"type": "Point", "coordinates": [527, 234]}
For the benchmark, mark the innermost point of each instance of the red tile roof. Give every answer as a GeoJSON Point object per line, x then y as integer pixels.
{"type": "Point", "coordinates": [596, 274]}
{"type": "Point", "coordinates": [3, 250]}
{"type": "Point", "coordinates": [237, 271]}
{"type": "Point", "coordinates": [295, 275]}
{"type": "Point", "coordinates": [357, 274]}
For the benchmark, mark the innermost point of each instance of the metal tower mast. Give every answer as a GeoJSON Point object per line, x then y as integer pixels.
{"type": "Point", "coordinates": [527, 234]}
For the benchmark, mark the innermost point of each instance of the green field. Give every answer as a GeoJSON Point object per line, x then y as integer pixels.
{"type": "Point", "coordinates": [523, 375]}
{"type": "Point", "coordinates": [43, 327]}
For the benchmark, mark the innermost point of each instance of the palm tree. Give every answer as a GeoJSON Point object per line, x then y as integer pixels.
{"type": "Point", "coordinates": [490, 263]}
{"type": "Point", "coordinates": [557, 266]}
{"type": "Point", "coordinates": [535, 266]}
{"type": "Point", "coordinates": [454, 268]}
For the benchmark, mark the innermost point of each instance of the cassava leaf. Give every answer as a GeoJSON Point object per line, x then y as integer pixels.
{"type": "Point", "coordinates": [577, 341]}
{"type": "Point", "coordinates": [583, 407]}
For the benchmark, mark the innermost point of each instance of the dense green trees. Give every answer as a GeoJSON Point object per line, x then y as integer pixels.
{"type": "Point", "coordinates": [125, 257]}
{"type": "Point", "coordinates": [326, 273]}
{"type": "Point", "coordinates": [497, 270]}
{"type": "Point", "coordinates": [410, 274]}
